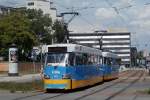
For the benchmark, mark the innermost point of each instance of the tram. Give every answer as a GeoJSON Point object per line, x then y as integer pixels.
{"type": "Point", "coordinates": [70, 66]}
{"type": "Point", "coordinates": [111, 64]}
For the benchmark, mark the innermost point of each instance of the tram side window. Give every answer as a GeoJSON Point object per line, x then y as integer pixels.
{"type": "Point", "coordinates": [100, 60]}
{"type": "Point", "coordinates": [85, 59]}
{"type": "Point", "coordinates": [79, 60]}
{"type": "Point", "coordinates": [95, 59]}
{"type": "Point", "coordinates": [114, 61]}
{"type": "Point", "coordinates": [90, 59]}
{"type": "Point", "coordinates": [107, 61]}
{"type": "Point", "coordinates": [118, 61]}
{"type": "Point", "coordinates": [110, 61]}
{"type": "Point", "coordinates": [72, 59]}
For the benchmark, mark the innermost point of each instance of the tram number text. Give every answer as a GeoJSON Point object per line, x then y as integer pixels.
{"type": "Point", "coordinates": [55, 72]}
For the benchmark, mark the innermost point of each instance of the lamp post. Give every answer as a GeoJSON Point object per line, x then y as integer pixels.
{"type": "Point", "coordinates": [74, 14]}
{"type": "Point", "coordinates": [100, 40]}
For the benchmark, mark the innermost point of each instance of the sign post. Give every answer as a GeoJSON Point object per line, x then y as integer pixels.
{"type": "Point", "coordinates": [13, 61]}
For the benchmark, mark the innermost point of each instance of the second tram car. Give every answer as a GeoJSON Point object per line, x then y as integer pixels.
{"type": "Point", "coordinates": [70, 66]}
{"type": "Point", "coordinates": [111, 64]}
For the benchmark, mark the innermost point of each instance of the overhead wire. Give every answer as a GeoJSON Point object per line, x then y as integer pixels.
{"type": "Point", "coordinates": [125, 7]}
{"type": "Point", "coordinates": [88, 22]}
{"type": "Point", "coordinates": [79, 9]}
{"type": "Point", "coordinates": [116, 10]}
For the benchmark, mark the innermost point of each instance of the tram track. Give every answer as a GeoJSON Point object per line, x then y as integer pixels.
{"type": "Point", "coordinates": [124, 73]}
{"type": "Point", "coordinates": [48, 98]}
{"type": "Point", "coordinates": [106, 87]}
{"type": "Point", "coordinates": [125, 88]}
{"type": "Point", "coordinates": [28, 96]}
{"type": "Point", "coordinates": [79, 98]}
{"type": "Point", "coordinates": [34, 95]}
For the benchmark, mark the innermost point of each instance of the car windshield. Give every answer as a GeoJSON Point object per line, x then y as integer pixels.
{"type": "Point", "coordinates": [55, 58]}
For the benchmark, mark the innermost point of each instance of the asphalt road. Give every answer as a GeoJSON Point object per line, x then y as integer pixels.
{"type": "Point", "coordinates": [127, 87]}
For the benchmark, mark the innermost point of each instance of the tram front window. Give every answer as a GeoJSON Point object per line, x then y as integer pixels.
{"type": "Point", "coordinates": [56, 58]}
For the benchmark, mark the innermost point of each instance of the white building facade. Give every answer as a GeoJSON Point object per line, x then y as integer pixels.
{"type": "Point", "coordinates": [45, 5]}
{"type": "Point", "coordinates": [4, 9]}
{"type": "Point", "coordinates": [116, 42]}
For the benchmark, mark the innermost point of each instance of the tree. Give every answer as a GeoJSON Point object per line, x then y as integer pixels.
{"type": "Point", "coordinates": [59, 32]}
{"type": "Point", "coordinates": [44, 28]}
{"type": "Point", "coordinates": [140, 57]}
{"type": "Point", "coordinates": [41, 25]}
{"type": "Point", "coordinates": [15, 28]}
{"type": "Point", "coordinates": [27, 28]}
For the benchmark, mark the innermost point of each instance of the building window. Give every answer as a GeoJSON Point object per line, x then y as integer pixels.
{"type": "Point", "coordinates": [30, 3]}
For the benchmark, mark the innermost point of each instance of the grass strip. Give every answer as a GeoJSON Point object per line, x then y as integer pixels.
{"type": "Point", "coordinates": [24, 87]}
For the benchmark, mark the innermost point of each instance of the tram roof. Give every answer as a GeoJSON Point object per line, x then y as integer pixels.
{"type": "Point", "coordinates": [77, 48]}
{"type": "Point", "coordinates": [109, 54]}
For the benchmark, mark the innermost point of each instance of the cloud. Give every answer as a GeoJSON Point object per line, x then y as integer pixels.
{"type": "Point", "coordinates": [67, 2]}
{"type": "Point", "coordinates": [85, 4]}
{"type": "Point", "coordinates": [142, 24]}
{"type": "Point", "coordinates": [144, 13]}
{"type": "Point", "coordinates": [12, 3]}
{"type": "Point", "coordinates": [140, 18]}
{"type": "Point", "coordinates": [105, 13]}
{"type": "Point", "coordinates": [140, 13]}
{"type": "Point", "coordinates": [122, 3]}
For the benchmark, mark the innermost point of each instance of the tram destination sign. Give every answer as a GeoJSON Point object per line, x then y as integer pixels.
{"type": "Point", "coordinates": [57, 49]}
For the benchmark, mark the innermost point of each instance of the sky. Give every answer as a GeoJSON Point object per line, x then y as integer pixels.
{"type": "Point", "coordinates": [132, 15]}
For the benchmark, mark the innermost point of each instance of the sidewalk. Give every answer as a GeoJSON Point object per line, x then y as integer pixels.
{"type": "Point", "coordinates": [19, 79]}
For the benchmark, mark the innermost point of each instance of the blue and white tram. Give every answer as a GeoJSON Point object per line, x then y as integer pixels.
{"type": "Point", "coordinates": [70, 66]}
{"type": "Point", "coordinates": [110, 65]}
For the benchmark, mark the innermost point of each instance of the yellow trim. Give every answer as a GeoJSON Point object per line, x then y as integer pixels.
{"type": "Point", "coordinates": [110, 77]}
{"type": "Point", "coordinates": [50, 81]}
{"type": "Point", "coordinates": [75, 83]}
{"type": "Point", "coordinates": [82, 83]}
{"type": "Point", "coordinates": [63, 81]}
{"type": "Point", "coordinates": [107, 77]}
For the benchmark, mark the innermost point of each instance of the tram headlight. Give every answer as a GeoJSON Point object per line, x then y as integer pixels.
{"type": "Point", "coordinates": [46, 77]}
{"type": "Point", "coordinates": [66, 76]}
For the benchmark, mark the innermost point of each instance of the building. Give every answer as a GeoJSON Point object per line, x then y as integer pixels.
{"type": "Point", "coordinates": [4, 9]}
{"type": "Point", "coordinates": [145, 53]}
{"type": "Point", "coordinates": [148, 62]}
{"type": "Point", "coordinates": [45, 5]}
{"type": "Point", "coordinates": [116, 42]}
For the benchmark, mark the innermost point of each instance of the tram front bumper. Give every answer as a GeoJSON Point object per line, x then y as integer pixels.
{"type": "Point", "coordinates": [57, 84]}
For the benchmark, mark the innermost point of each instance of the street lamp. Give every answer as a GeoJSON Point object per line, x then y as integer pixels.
{"type": "Point", "coordinates": [74, 14]}
{"type": "Point", "coordinates": [100, 39]}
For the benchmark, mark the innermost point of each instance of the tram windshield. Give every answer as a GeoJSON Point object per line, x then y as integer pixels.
{"type": "Point", "coordinates": [56, 58]}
